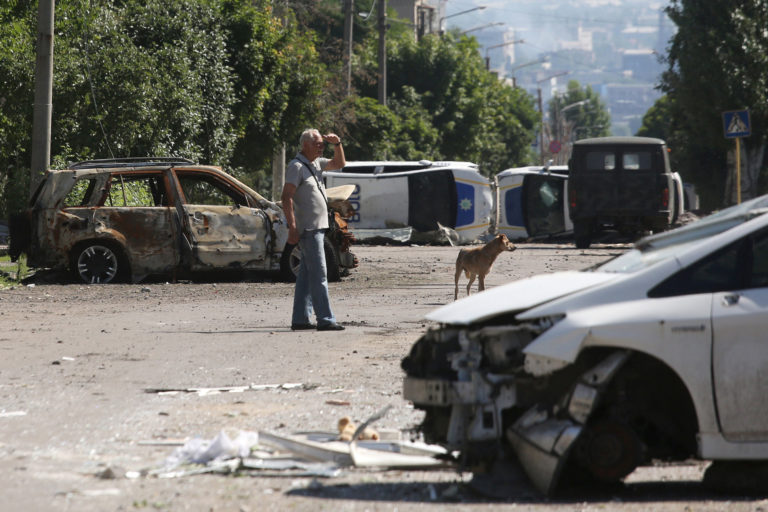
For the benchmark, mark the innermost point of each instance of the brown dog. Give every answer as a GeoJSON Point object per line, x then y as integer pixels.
{"type": "Point", "coordinates": [478, 262]}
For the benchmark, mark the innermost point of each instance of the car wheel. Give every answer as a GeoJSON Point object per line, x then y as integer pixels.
{"type": "Point", "coordinates": [582, 236]}
{"type": "Point", "coordinates": [289, 262]}
{"type": "Point", "coordinates": [291, 259]}
{"type": "Point", "coordinates": [331, 262]}
{"type": "Point", "coordinates": [99, 262]}
{"type": "Point", "coordinates": [609, 450]}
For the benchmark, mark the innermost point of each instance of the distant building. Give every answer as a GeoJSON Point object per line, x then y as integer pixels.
{"type": "Point", "coordinates": [424, 15]}
{"type": "Point", "coordinates": [627, 104]}
{"type": "Point", "coordinates": [583, 42]}
{"type": "Point", "coordinates": [643, 64]}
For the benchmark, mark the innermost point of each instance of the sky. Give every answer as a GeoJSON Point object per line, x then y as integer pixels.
{"type": "Point", "coordinates": [545, 23]}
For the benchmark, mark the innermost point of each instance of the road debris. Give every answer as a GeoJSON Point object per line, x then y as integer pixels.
{"type": "Point", "coordinates": [337, 402]}
{"type": "Point", "coordinates": [227, 389]}
{"type": "Point", "coordinates": [12, 414]}
{"type": "Point", "coordinates": [316, 454]}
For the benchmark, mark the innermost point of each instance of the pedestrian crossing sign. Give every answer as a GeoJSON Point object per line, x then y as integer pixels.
{"type": "Point", "coordinates": [736, 124]}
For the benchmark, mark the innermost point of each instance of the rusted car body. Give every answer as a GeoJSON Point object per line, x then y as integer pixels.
{"type": "Point", "coordinates": [128, 219]}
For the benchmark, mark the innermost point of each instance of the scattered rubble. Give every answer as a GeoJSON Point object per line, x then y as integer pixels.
{"type": "Point", "coordinates": [316, 454]}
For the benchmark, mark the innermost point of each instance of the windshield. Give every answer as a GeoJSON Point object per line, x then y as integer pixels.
{"type": "Point", "coordinates": [708, 226]}
{"type": "Point", "coordinates": [636, 259]}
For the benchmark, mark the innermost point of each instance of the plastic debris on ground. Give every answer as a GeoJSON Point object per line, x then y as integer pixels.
{"type": "Point", "coordinates": [317, 454]}
{"type": "Point", "coordinates": [227, 389]}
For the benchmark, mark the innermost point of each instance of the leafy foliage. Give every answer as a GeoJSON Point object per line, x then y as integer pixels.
{"type": "Point", "coordinates": [583, 112]}
{"type": "Point", "coordinates": [216, 81]}
{"type": "Point", "coordinates": [448, 106]}
{"type": "Point", "coordinates": [717, 61]}
{"type": "Point", "coordinates": [227, 81]}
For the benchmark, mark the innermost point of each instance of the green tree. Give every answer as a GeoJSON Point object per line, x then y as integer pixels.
{"type": "Point", "coordinates": [450, 107]}
{"type": "Point", "coordinates": [141, 79]}
{"type": "Point", "coordinates": [656, 120]}
{"type": "Point", "coordinates": [217, 81]}
{"type": "Point", "coordinates": [717, 61]}
{"type": "Point", "coordinates": [579, 110]}
{"type": "Point", "coordinates": [577, 114]}
{"type": "Point", "coordinates": [17, 52]}
{"type": "Point", "coordinates": [279, 83]}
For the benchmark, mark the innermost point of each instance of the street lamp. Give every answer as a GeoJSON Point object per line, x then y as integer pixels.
{"type": "Point", "coordinates": [440, 21]}
{"type": "Point", "coordinates": [541, 110]}
{"type": "Point", "coordinates": [521, 66]}
{"type": "Point", "coordinates": [481, 27]}
{"type": "Point", "coordinates": [488, 60]}
{"type": "Point", "coordinates": [573, 105]}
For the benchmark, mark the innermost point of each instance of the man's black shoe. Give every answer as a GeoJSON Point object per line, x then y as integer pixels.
{"type": "Point", "coordinates": [302, 327]}
{"type": "Point", "coordinates": [330, 327]}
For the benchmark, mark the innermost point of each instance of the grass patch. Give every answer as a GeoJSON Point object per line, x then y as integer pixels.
{"type": "Point", "coordinates": [11, 273]}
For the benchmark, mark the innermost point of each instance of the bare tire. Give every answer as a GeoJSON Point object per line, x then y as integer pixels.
{"type": "Point", "coordinates": [289, 262]}
{"type": "Point", "coordinates": [291, 259]}
{"type": "Point", "coordinates": [98, 263]}
{"type": "Point", "coordinates": [609, 450]}
{"type": "Point", "coordinates": [331, 262]}
{"type": "Point", "coordinates": [582, 236]}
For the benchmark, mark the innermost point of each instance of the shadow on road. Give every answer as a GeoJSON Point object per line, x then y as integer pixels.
{"type": "Point", "coordinates": [446, 492]}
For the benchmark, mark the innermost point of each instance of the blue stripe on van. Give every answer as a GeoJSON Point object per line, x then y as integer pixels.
{"type": "Point", "coordinates": [513, 207]}
{"type": "Point", "coordinates": [465, 204]}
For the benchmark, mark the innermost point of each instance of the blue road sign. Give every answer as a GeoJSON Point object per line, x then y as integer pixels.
{"type": "Point", "coordinates": [736, 124]}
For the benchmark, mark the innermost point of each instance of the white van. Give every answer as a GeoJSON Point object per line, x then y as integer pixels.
{"type": "Point", "coordinates": [419, 195]}
{"type": "Point", "coordinates": [533, 201]}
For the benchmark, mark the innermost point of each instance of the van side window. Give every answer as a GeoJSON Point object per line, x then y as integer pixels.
{"type": "Point", "coordinates": [601, 161]}
{"type": "Point", "coordinates": [636, 161]}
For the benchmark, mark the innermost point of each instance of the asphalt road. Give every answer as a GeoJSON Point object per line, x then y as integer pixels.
{"type": "Point", "coordinates": [81, 367]}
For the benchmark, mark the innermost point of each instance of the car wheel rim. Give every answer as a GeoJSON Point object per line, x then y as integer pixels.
{"type": "Point", "coordinates": [613, 451]}
{"type": "Point", "coordinates": [295, 260]}
{"type": "Point", "coordinates": [97, 264]}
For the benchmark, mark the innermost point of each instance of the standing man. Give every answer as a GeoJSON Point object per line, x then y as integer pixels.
{"type": "Point", "coordinates": [306, 211]}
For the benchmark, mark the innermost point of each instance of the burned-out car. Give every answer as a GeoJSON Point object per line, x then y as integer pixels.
{"type": "Point", "coordinates": [658, 354]}
{"type": "Point", "coordinates": [126, 219]}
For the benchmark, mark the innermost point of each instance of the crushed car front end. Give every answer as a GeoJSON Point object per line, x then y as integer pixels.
{"type": "Point", "coordinates": [525, 372]}
{"type": "Point", "coordinates": [481, 400]}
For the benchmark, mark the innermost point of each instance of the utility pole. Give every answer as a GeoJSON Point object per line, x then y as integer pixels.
{"type": "Point", "coordinates": [278, 153]}
{"type": "Point", "coordinates": [541, 131]}
{"type": "Point", "coordinates": [349, 7]}
{"type": "Point", "coordinates": [43, 106]}
{"type": "Point", "coordinates": [278, 171]}
{"type": "Point", "coordinates": [383, 52]}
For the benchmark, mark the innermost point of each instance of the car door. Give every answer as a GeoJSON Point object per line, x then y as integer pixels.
{"type": "Point", "coordinates": [740, 351]}
{"type": "Point", "coordinates": [223, 230]}
{"type": "Point", "coordinates": [134, 209]}
{"type": "Point", "coordinates": [544, 211]}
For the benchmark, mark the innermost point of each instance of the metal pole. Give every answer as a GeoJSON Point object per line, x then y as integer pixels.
{"type": "Point", "coordinates": [278, 172]}
{"type": "Point", "coordinates": [349, 7]}
{"type": "Point", "coordinates": [43, 105]}
{"type": "Point", "coordinates": [541, 130]}
{"type": "Point", "coordinates": [738, 170]}
{"type": "Point", "coordinates": [383, 52]}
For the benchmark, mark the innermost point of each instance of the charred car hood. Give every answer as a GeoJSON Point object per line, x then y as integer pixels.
{"type": "Point", "coordinates": [517, 296]}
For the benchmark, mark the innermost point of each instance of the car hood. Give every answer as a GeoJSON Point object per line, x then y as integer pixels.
{"type": "Point", "coordinates": [517, 296]}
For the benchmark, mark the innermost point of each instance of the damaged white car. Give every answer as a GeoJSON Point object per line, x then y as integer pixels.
{"type": "Point", "coordinates": [658, 354]}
